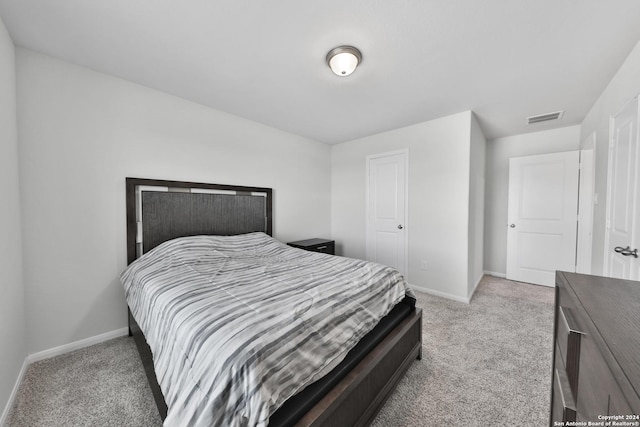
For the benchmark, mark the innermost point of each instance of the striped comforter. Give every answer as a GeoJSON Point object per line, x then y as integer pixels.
{"type": "Point", "coordinates": [238, 324]}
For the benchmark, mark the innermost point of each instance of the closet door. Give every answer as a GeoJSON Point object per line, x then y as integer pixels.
{"type": "Point", "coordinates": [387, 202]}
{"type": "Point", "coordinates": [622, 259]}
{"type": "Point", "coordinates": [543, 216]}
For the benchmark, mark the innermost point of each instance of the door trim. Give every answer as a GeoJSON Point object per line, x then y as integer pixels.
{"type": "Point", "coordinates": [586, 194]}
{"type": "Point", "coordinates": [405, 153]}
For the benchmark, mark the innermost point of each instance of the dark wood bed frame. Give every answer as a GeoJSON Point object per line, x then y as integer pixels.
{"type": "Point", "coordinates": [358, 397]}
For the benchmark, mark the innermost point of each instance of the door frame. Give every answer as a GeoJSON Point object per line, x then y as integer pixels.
{"type": "Point", "coordinates": [586, 197]}
{"type": "Point", "coordinates": [404, 152]}
{"type": "Point", "coordinates": [607, 228]}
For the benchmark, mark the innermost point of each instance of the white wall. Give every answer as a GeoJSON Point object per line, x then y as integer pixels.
{"type": "Point", "coordinates": [499, 151]}
{"type": "Point", "coordinates": [476, 205]}
{"type": "Point", "coordinates": [439, 162]}
{"type": "Point", "coordinates": [81, 133]}
{"type": "Point", "coordinates": [13, 333]}
{"type": "Point", "coordinates": [623, 87]}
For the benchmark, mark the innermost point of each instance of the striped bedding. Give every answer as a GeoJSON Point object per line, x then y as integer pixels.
{"type": "Point", "coordinates": [238, 324]}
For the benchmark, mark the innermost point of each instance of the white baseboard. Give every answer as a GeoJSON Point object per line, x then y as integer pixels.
{"type": "Point", "coordinates": [495, 274]}
{"type": "Point", "coordinates": [14, 393]}
{"type": "Point", "coordinates": [66, 348]}
{"type": "Point", "coordinates": [56, 351]}
{"type": "Point", "coordinates": [440, 294]}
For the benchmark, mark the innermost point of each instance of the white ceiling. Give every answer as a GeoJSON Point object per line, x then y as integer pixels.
{"type": "Point", "coordinates": [265, 60]}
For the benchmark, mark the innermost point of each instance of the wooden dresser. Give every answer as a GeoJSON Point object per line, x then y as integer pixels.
{"type": "Point", "coordinates": [596, 372]}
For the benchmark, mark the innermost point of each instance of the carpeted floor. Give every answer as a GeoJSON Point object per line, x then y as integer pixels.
{"type": "Point", "coordinates": [101, 385]}
{"type": "Point", "coordinates": [487, 363]}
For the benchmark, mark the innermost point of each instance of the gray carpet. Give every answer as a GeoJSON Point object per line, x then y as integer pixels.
{"type": "Point", "coordinates": [487, 363]}
{"type": "Point", "coordinates": [101, 385]}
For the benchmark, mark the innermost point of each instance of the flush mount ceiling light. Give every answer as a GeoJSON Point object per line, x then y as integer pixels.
{"type": "Point", "coordinates": [343, 60]}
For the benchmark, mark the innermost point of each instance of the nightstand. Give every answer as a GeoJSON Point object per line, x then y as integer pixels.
{"type": "Point", "coordinates": [316, 245]}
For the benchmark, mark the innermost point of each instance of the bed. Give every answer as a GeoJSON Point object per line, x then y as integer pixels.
{"type": "Point", "coordinates": [184, 217]}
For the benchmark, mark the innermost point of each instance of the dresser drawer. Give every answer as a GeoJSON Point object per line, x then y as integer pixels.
{"type": "Point", "coordinates": [597, 343]}
{"type": "Point", "coordinates": [564, 406]}
{"type": "Point", "coordinates": [618, 405]}
{"type": "Point", "coordinates": [568, 343]}
{"type": "Point", "coordinates": [326, 248]}
{"type": "Point", "coordinates": [599, 392]}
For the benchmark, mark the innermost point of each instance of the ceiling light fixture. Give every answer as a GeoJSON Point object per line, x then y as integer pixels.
{"type": "Point", "coordinates": [343, 60]}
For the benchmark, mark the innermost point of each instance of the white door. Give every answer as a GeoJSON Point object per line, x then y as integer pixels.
{"type": "Point", "coordinates": [387, 209]}
{"type": "Point", "coordinates": [543, 204]}
{"type": "Point", "coordinates": [623, 203]}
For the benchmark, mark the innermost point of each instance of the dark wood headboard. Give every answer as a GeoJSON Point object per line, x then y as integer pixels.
{"type": "Point", "coordinates": [159, 210]}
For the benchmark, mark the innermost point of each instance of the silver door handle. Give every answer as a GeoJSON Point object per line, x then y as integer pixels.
{"type": "Point", "coordinates": [512, 226]}
{"type": "Point", "coordinates": [626, 251]}
{"type": "Point", "coordinates": [400, 227]}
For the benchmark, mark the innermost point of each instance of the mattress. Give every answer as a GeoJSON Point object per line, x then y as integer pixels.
{"type": "Point", "coordinates": [239, 324]}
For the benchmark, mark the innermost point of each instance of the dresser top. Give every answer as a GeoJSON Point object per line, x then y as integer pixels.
{"type": "Point", "coordinates": [613, 305]}
{"type": "Point", "coordinates": [311, 242]}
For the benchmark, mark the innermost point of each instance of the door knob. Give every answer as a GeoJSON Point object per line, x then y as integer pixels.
{"type": "Point", "coordinates": [512, 226]}
{"type": "Point", "coordinates": [400, 227]}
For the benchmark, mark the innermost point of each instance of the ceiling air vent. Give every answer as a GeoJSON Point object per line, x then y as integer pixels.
{"type": "Point", "coordinates": [545, 117]}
